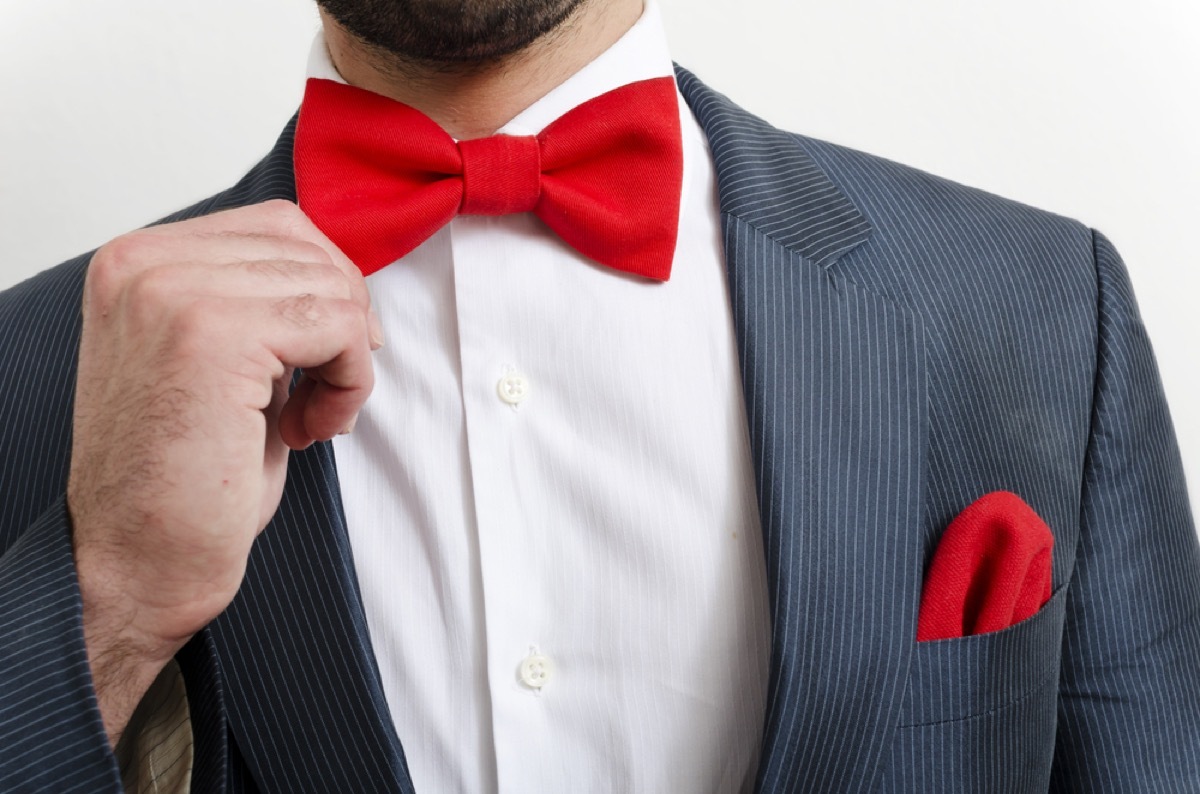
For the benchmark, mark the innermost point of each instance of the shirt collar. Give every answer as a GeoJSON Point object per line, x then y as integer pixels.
{"type": "Point", "coordinates": [640, 54]}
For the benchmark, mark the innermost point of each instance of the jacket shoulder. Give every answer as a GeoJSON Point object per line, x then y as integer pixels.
{"type": "Point", "coordinates": [40, 323]}
{"type": "Point", "coordinates": [977, 267]}
{"type": "Point", "coordinates": [39, 342]}
{"type": "Point", "coordinates": [919, 213]}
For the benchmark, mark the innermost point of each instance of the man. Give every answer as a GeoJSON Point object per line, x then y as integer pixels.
{"type": "Point", "coordinates": [666, 432]}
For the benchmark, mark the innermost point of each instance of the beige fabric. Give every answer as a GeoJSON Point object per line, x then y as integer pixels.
{"type": "Point", "coordinates": [155, 752]}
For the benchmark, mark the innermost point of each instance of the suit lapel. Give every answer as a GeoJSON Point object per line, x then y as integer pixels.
{"type": "Point", "coordinates": [306, 704]}
{"type": "Point", "coordinates": [833, 377]}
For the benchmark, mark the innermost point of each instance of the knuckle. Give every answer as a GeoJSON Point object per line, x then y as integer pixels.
{"type": "Point", "coordinates": [110, 264]}
{"type": "Point", "coordinates": [122, 249]}
{"type": "Point", "coordinates": [304, 310]}
{"type": "Point", "coordinates": [280, 215]}
{"type": "Point", "coordinates": [151, 288]}
{"type": "Point", "coordinates": [308, 251]}
{"type": "Point", "coordinates": [192, 326]}
{"type": "Point", "coordinates": [341, 318]}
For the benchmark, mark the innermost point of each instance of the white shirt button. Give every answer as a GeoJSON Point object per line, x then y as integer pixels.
{"type": "Point", "coordinates": [536, 670]}
{"type": "Point", "coordinates": [513, 388]}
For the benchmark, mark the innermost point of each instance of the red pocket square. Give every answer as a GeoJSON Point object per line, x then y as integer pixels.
{"type": "Point", "coordinates": [991, 570]}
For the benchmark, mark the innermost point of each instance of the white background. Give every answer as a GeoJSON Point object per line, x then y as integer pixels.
{"type": "Point", "coordinates": [115, 113]}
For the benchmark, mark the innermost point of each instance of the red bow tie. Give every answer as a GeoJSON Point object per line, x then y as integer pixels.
{"type": "Point", "coordinates": [379, 178]}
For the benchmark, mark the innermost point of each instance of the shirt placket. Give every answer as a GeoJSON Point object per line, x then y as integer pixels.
{"type": "Point", "coordinates": [500, 400]}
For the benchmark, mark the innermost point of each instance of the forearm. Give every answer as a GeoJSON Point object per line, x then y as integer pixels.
{"type": "Point", "coordinates": [123, 661]}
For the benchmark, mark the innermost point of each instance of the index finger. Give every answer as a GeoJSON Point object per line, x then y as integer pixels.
{"type": "Point", "coordinates": [285, 219]}
{"type": "Point", "coordinates": [305, 229]}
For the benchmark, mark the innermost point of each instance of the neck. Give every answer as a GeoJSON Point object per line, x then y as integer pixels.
{"type": "Point", "coordinates": [475, 100]}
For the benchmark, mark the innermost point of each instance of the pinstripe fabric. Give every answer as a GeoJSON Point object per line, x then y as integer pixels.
{"type": "Point", "coordinates": [836, 399]}
{"type": "Point", "coordinates": [1128, 676]}
{"type": "Point", "coordinates": [206, 704]}
{"type": "Point", "coordinates": [46, 669]}
{"type": "Point", "coordinates": [1032, 339]}
{"type": "Point", "coordinates": [997, 311]}
{"type": "Point", "coordinates": [906, 345]}
{"type": "Point", "coordinates": [43, 662]}
{"type": "Point", "coordinates": [317, 685]}
{"type": "Point", "coordinates": [835, 396]}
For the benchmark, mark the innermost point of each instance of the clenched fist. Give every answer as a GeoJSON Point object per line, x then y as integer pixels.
{"type": "Point", "coordinates": [183, 421]}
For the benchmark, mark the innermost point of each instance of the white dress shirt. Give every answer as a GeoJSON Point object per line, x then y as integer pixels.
{"type": "Point", "coordinates": [551, 503]}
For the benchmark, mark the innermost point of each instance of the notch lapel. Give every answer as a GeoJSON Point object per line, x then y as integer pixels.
{"type": "Point", "coordinates": [305, 701]}
{"type": "Point", "coordinates": [834, 384]}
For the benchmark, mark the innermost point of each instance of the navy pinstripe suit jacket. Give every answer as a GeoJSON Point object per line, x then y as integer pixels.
{"type": "Point", "coordinates": [906, 345]}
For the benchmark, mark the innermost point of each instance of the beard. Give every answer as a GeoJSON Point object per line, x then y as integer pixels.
{"type": "Point", "coordinates": [450, 32]}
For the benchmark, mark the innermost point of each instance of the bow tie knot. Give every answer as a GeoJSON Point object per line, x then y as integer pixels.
{"type": "Point", "coordinates": [379, 177]}
{"type": "Point", "coordinates": [501, 174]}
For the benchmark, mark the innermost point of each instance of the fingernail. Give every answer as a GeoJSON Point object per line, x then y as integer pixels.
{"type": "Point", "coordinates": [374, 329]}
{"type": "Point", "coordinates": [350, 427]}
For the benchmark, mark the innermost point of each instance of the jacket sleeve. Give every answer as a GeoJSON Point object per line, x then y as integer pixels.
{"type": "Point", "coordinates": [52, 736]}
{"type": "Point", "coordinates": [1129, 695]}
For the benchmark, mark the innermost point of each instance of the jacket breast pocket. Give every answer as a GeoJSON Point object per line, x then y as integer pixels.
{"type": "Point", "coordinates": [979, 712]}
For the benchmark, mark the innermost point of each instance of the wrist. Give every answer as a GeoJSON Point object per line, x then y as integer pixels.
{"type": "Point", "coordinates": [123, 655]}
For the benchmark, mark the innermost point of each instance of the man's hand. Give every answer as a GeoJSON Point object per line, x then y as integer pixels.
{"type": "Point", "coordinates": [182, 426]}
